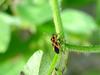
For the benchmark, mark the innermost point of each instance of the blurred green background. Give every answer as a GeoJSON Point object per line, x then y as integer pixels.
{"type": "Point", "coordinates": [27, 25]}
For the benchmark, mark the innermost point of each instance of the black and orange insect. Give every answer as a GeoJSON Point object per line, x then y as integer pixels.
{"type": "Point", "coordinates": [55, 43]}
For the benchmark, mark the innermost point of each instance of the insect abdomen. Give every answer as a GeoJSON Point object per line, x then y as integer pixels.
{"type": "Point", "coordinates": [56, 50]}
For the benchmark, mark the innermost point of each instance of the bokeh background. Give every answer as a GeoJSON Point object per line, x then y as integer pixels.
{"type": "Point", "coordinates": [27, 25]}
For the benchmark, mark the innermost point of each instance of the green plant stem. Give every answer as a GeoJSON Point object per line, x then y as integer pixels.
{"type": "Point", "coordinates": [57, 17]}
{"type": "Point", "coordinates": [53, 64]}
{"type": "Point", "coordinates": [83, 49]}
{"type": "Point", "coordinates": [59, 30]}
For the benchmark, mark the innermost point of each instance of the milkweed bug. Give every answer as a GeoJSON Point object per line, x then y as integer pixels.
{"type": "Point", "coordinates": [55, 43]}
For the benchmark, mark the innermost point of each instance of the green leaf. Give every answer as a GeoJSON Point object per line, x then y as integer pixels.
{"type": "Point", "coordinates": [35, 14]}
{"type": "Point", "coordinates": [33, 64]}
{"type": "Point", "coordinates": [9, 20]}
{"type": "Point", "coordinates": [5, 32]}
{"type": "Point", "coordinates": [46, 62]}
{"type": "Point", "coordinates": [4, 36]}
{"type": "Point", "coordinates": [48, 55]}
{"type": "Point", "coordinates": [78, 22]}
{"type": "Point", "coordinates": [12, 66]}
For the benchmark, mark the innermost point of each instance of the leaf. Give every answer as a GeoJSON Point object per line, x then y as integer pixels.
{"type": "Point", "coordinates": [5, 32]}
{"type": "Point", "coordinates": [4, 36]}
{"type": "Point", "coordinates": [35, 14]}
{"type": "Point", "coordinates": [33, 64]}
{"type": "Point", "coordinates": [12, 66]}
{"type": "Point", "coordinates": [46, 62]}
{"type": "Point", "coordinates": [9, 20]}
{"type": "Point", "coordinates": [48, 56]}
{"type": "Point", "coordinates": [78, 22]}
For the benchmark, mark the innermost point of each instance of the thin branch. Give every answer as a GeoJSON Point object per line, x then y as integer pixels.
{"type": "Point", "coordinates": [84, 49]}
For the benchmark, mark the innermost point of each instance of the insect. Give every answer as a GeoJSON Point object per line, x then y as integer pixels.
{"type": "Point", "coordinates": [55, 43]}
